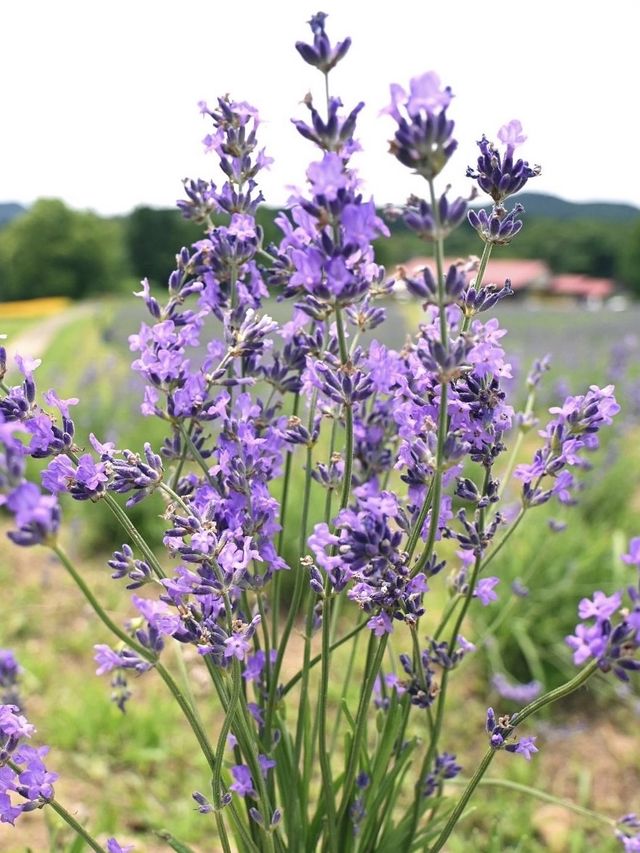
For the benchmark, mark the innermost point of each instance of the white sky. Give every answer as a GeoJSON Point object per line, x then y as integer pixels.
{"type": "Point", "coordinates": [98, 99]}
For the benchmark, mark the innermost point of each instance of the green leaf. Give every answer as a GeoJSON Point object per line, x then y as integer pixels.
{"type": "Point", "coordinates": [173, 842]}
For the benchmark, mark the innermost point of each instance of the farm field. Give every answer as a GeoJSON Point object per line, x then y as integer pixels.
{"type": "Point", "coordinates": [99, 752]}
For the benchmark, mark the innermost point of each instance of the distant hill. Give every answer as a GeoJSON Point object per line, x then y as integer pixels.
{"type": "Point", "coordinates": [9, 210]}
{"type": "Point", "coordinates": [535, 205]}
{"type": "Point", "coordinates": [538, 204]}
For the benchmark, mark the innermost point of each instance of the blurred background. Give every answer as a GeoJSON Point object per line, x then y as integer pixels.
{"type": "Point", "coordinates": [101, 124]}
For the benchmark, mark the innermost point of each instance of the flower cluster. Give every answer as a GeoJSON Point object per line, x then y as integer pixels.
{"type": "Point", "coordinates": [628, 833]}
{"type": "Point", "coordinates": [500, 729]}
{"type": "Point", "coordinates": [613, 645]}
{"type": "Point", "coordinates": [567, 437]}
{"type": "Point", "coordinates": [25, 782]}
{"type": "Point", "coordinates": [10, 671]}
{"type": "Point", "coordinates": [365, 555]}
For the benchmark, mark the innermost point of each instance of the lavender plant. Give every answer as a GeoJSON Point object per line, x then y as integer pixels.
{"type": "Point", "coordinates": [398, 460]}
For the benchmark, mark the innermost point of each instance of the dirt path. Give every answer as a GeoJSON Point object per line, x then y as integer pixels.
{"type": "Point", "coordinates": [33, 342]}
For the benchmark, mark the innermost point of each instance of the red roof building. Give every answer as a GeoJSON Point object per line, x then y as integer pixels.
{"type": "Point", "coordinates": [582, 286]}
{"type": "Point", "coordinates": [528, 277]}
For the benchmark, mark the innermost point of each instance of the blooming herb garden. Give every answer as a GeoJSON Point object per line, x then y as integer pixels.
{"type": "Point", "coordinates": [394, 464]}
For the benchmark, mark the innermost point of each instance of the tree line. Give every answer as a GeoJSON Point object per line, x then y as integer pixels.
{"type": "Point", "coordinates": [52, 250]}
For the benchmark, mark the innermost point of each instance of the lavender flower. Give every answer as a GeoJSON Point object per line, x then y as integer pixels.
{"type": "Point", "coordinates": [614, 646]}
{"type": "Point", "coordinates": [628, 833]}
{"type": "Point", "coordinates": [333, 134]}
{"type": "Point", "coordinates": [37, 516]}
{"type": "Point", "coordinates": [419, 216]}
{"type": "Point", "coordinates": [500, 729]}
{"type": "Point", "coordinates": [445, 767]}
{"type": "Point", "coordinates": [484, 590]}
{"type": "Point", "coordinates": [423, 140]}
{"type": "Point", "coordinates": [368, 556]}
{"type": "Point", "coordinates": [498, 175]}
{"type": "Point", "coordinates": [499, 226]}
{"type": "Point", "coordinates": [321, 54]}
{"type": "Point", "coordinates": [632, 558]}
{"type": "Point", "coordinates": [124, 564]}
{"type": "Point", "coordinates": [30, 786]}
{"type": "Point", "coordinates": [572, 432]}
{"type": "Point", "coordinates": [433, 414]}
{"type": "Point", "coordinates": [243, 784]}
{"type": "Point", "coordinates": [10, 671]}
{"type": "Point", "coordinates": [520, 693]}
{"type": "Point", "coordinates": [114, 847]}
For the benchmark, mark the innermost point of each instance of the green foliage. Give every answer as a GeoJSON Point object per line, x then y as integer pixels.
{"type": "Point", "coordinates": [588, 246]}
{"type": "Point", "coordinates": [630, 259]}
{"type": "Point", "coordinates": [152, 237]}
{"type": "Point", "coordinates": [52, 250]}
{"type": "Point", "coordinates": [55, 251]}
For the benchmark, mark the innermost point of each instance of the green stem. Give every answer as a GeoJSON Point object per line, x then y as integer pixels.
{"type": "Point", "coordinates": [197, 456]}
{"type": "Point", "coordinates": [69, 819]}
{"type": "Point", "coordinates": [145, 654]}
{"type": "Point", "coordinates": [224, 731]}
{"type": "Point", "coordinates": [99, 610]}
{"type": "Point", "coordinates": [299, 586]}
{"type": "Point", "coordinates": [553, 695]}
{"type": "Point", "coordinates": [437, 483]}
{"type": "Point", "coordinates": [513, 458]}
{"type": "Point", "coordinates": [439, 258]}
{"type": "Point", "coordinates": [345, 686]}
{"type": "Point", "coordinates": [299, 597]}
{"type": "Point", "coordinates": [447, 614]}
{"type": "Point", "coordinates": [133, 533]}
{"type": "Point", "coordinates": [559, 693]}
{"type": "Point", "coordinates": [249, 846]}
{"type": "Point", "coordinates": [348, 416]}
{"type": "Point", "coordinates": [443, 419]}
{"type": "Point", "coordinates": [245, 747]}
{"type": "Point", "coordinates": [330, 605]}
{"type": "Point", "coordinates": [222, 833]}
{"type": "Point", "coordinates": [189, 714]}
{"type": "Point", "coordinates": [417, 530]}
{"type": "Point", "coordinates": [374, 660]}
{"type": "Point", "coordinates": [325, 761]}
{"type": "Point", "coordinates": [163, 487]}
{"type": "Point", "coordinates": [464, 799]}
{"type": "Point", "coordinates": [496, 550]}
{"type": "Point", "coordinates": [484, 260]}
{"type": "Point", "coordinates": [127, 525]}
{"type": "Point", "coordinates": [245, 724]}
{"type": "Point", "coordinates": [284, 503]}
{"type": "Point", "coordinates": [296, 678]}
{"type": "Point", "coordinates": [442, 696]}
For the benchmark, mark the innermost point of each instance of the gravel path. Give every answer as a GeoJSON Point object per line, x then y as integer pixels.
{"type": "Point", "coordinates": [33, 342]}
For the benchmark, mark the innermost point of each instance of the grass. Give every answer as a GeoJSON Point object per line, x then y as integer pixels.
{"type": "Point", "coordinates": [145, 761]}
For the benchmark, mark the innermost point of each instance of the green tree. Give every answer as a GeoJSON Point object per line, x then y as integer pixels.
{"type": "Point", "coordinates": [55, 251]}
{"type": "Point", "coordinates": [152, 239]}
{"type": "Point", "coordinates": [629, 269]}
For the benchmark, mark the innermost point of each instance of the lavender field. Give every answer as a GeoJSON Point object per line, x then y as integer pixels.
{"type": "Point", "coordinates": [585, 347]}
